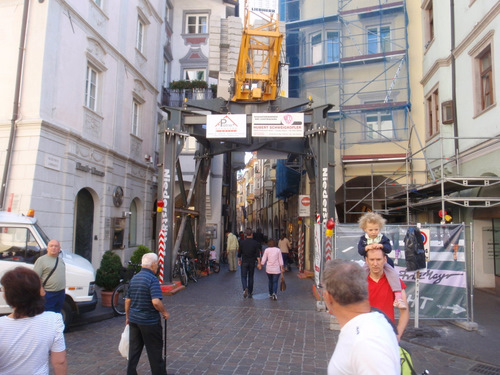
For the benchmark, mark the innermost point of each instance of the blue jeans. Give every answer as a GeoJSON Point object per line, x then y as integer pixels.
{"type": "Point", "coordinates": [247, 271]}
{"type": "Point", "coordinates": [285, 261]}
{"type": "Point", "coordinates": [54, 301]}
{"type": "Point", "coordinates": [273, 282]}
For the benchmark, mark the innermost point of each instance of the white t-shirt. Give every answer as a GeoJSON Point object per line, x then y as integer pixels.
{"type": "Point", "coordinates": [25, 344]}
{"type": "Point", "coordinates": [367, 345]}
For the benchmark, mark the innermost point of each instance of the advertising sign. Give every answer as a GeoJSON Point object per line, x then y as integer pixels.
{"type": "Point", "coordinates": [304, 205]}
{"type": "Point", "coordinates": [289, 125]}
{"type": "Point", "coordinates": [269, 6]}
{"type": "Point", "coordinates": [226, 126]}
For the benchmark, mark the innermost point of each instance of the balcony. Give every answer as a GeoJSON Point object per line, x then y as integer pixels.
{"type": "Point", "coordinates": [176, 97]}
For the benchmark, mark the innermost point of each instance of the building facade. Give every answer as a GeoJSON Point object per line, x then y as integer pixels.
{"type": "Point", "coordinates": [84, 125]}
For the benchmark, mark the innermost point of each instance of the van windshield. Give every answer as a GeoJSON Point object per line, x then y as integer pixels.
{"type": "Point", "coordinates": [45, 238]}
{"type": "Point", "coordinates": [17, 244]}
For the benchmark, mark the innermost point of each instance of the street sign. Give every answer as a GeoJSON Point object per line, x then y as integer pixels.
{"type": "Point", "coordinates": [227, 126]}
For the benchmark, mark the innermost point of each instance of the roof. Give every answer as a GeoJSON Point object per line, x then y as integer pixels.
{"type": "Point", "coordinates": [14, 218]}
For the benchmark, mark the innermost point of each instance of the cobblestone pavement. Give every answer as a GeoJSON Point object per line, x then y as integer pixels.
{"type": "Point", "coordinates": [214, 330]}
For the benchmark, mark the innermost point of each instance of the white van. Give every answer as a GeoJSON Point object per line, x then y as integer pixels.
{"type": "Point", "coordinates": [22, 242]}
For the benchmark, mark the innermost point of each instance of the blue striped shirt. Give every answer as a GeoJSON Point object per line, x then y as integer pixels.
{"type": "Point", "coordinates": [143, 288]}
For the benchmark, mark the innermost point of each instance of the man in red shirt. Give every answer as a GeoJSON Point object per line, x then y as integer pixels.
{"type": "Point", "coordinates": [380, 293]}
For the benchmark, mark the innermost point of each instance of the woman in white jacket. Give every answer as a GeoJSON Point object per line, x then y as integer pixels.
{"type": "Point", "coordinates": [272, 255]}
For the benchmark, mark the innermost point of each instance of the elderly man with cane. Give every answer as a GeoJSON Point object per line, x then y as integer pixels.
{"type": "Point", "coordinates": [143, 306]}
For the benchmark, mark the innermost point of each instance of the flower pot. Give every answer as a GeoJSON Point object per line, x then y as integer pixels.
{"type": "Point", "coordinates": [106, 298]}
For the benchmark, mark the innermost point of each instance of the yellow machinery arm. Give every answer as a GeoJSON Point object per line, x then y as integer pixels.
{"type": "Point", "coordinates": [256, 76]}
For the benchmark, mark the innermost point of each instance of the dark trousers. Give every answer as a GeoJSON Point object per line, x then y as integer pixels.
{"type": "Point", "coordinates": [247, 271]}
{"type": "Point", "coordinates": [285, 260]}
{"type": "Point", "coordinates": [273, 282]}
{"type": "Point", "coordinates": [150, 336]}
{"type": "Point", "coordinates": [54, 301]}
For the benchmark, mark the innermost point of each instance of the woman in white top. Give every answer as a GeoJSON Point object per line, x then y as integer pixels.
{"type": "Point", "coordinates": [29, 335]}
{"type": "Point", "coordinates": [272, 255]}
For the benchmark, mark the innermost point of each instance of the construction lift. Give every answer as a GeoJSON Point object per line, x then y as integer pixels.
{"type": "Point", "coordinates": [255, 90]}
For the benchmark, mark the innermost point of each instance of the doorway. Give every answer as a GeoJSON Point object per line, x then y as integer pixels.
{"type": "Point", "coordinates": [84, 224]}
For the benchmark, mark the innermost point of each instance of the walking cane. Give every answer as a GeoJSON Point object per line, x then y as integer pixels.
{"type": "Point", "coordinates": [165, 347]}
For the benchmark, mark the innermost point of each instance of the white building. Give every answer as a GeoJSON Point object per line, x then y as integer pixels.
{"type": "Point", "coordinates": [85, 136]}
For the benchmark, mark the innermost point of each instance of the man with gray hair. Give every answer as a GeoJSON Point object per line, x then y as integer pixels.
{"type": "Point", "coordinates": [367, 343]}
{"type": "Point", "coordinates": [142, 305]}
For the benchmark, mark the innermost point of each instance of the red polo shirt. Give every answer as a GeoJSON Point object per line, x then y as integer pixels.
{"type": "Point", "coordinates": [381, 295]}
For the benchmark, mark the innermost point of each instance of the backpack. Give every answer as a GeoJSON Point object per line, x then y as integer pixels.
{"type": "Point", "coordinates": [406, 362]}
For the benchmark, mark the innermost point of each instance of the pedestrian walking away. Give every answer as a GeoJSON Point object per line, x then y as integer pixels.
{"type": "Point", "coordinates": [30, 335]}
{"type": "Point", "coordinates": [52, 270]}
{"type": "Point", "coordinates": [285, 246]}
{"type": "Point", "coordinates": [372, 224]}
{"type": "Point", "coordinates": [248, 257]}
{"type": "Point", "coordinates": [232, 248]}
{"type": "Point", "coordinates": [274, 267]}
{"type": "Point", "coordinates": [367, 343]}
{"type": "Point", "coordinates": [143, 307]}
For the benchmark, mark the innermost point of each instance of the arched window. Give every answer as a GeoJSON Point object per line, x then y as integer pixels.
{"type": "Point", "coordinates": [132, 231]}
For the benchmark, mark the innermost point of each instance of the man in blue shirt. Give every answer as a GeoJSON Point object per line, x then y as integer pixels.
{"type": "Point", "coordinates": [142, 305]}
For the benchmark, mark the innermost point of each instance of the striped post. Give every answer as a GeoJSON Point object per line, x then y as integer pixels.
{"type": "Point", "coordinates": [161, 254]}
{"type": "Point", "coordinates": [301, 250]}
{"type": "Point", "coordinates": [328, 248]}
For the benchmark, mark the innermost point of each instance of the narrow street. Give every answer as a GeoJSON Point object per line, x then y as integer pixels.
{"type": "Point", "coordinates": [214, 330]}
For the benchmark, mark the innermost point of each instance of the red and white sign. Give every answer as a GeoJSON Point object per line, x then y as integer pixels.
{"type": "Point", "coordinates": [304, 205]}
{"type": "Point", "coordinates": [427, 246]}
{"type": "Point", "coordinates": [289, 125]}
{"type": "Point", "coordinates": [226, 126]}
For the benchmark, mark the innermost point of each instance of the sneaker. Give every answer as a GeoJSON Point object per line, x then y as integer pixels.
{"type": "Point", "coordinates": [271, 296]}
{"type": "Point", "coordinates": [245, 293]}
{"type": "Point", "coordinates": [250, 295]}
{"type": "Point", "coordinates": [400, 304]}
{"type": "Point", "coordinates": [275, 297]}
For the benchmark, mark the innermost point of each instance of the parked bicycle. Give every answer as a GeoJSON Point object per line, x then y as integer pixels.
{"type": "Point", "coordinates": [184, 268]}
{"type": "Point", "coordinates": [202, 262]}
{"type": "Point", "coordinates": [120, 292]}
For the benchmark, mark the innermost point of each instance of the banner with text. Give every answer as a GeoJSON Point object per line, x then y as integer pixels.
{"type": "Point", "coordinates": [443, 284]}
{"type": "Point", "coordinates": [289, 125]}
{"type": "Point", "coordinates": [226, 126]}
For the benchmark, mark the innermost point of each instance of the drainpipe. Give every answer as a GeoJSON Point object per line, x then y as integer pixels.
{"type": "Point", "coordinates": [15, 109]}
{"type": "Point", "coordinates": [453, 83]}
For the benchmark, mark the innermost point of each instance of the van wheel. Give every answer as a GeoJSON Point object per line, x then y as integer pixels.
{"type": "Point", "coordinates": [67, 314]}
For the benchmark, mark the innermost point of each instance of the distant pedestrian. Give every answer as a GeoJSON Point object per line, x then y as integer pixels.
{"type": "Point", "coordinates": [285, 246]}
{"type": "Point", "coordinates": [248, 257]}
{"type": "Point", "coordinates": [367, 343]}
{"type": "Point", "coordinates": [232, 247]}
{"type": "Point", "coordinates": [143, 307]}
{"type": "Point", "coordinates": [52, 270]}
{"type": "Point", "coordinates": [29, 336]}
{"type": "Point", "coordinates": [372, 223]}
{"type": "Point", "coordinates": [274, 268]}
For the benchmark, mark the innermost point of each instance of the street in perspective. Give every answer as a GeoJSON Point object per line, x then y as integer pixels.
{"type": "Point", "coordinates": [213, 329]}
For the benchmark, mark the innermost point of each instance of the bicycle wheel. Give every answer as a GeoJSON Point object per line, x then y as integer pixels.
{"type": "Point", "coordinates": [118, 298]}
{"type": "Point", "coordinates": [192, 271]}
{"type": "Point", "coordinates": [183, 275]}
{"type": "Point", "coordinates": [176, 270]}
{"type": "Point", "coordinates": [215, 267]}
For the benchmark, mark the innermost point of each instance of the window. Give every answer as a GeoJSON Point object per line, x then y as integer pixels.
{"type": "Point", "coordinates": [140, 36]}
{"type": "Point", "coordinates": [18, 245]}
{"type": "Point", "coordinates": [429, 23]}
{"type": "Point", "coordinates": [316, 47]}
{"type": "Point", "coordinates": [332, 46]}
{"type": "Point", "coordinates": [91, 88]}
{"type": "Point", "coordinates": [197, 24]}
{"type": "Point", "coordinates": [432, 104]}
{"type": "Point", "coordinates": [379, 39]}
{"type": "Point", "coordinates": [379, 126]}
{"type": "Point", "coordinates": [486, 79]}
{"type": "Point", "coordinates": [136, 112]}
{"type": "Point", "coordinates": [194, 74]}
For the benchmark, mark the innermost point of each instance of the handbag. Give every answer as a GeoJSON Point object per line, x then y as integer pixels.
{"type": "Point", "coordinates": [124, 342]}
{"type": "Point", "coordinates": [282, 284]}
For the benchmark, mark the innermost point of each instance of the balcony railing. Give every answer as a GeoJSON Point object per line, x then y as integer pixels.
{"type": "Point", "coordinates": [175, 97]}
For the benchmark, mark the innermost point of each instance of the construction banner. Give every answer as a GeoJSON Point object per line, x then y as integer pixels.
{"type": "Point", "coordinates": [442, 285]}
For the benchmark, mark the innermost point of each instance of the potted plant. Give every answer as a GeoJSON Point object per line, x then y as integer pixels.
{"type": "Point", "coordinates": [108, 276]}
{"type": "Point", "coordinates": [136, 257]}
